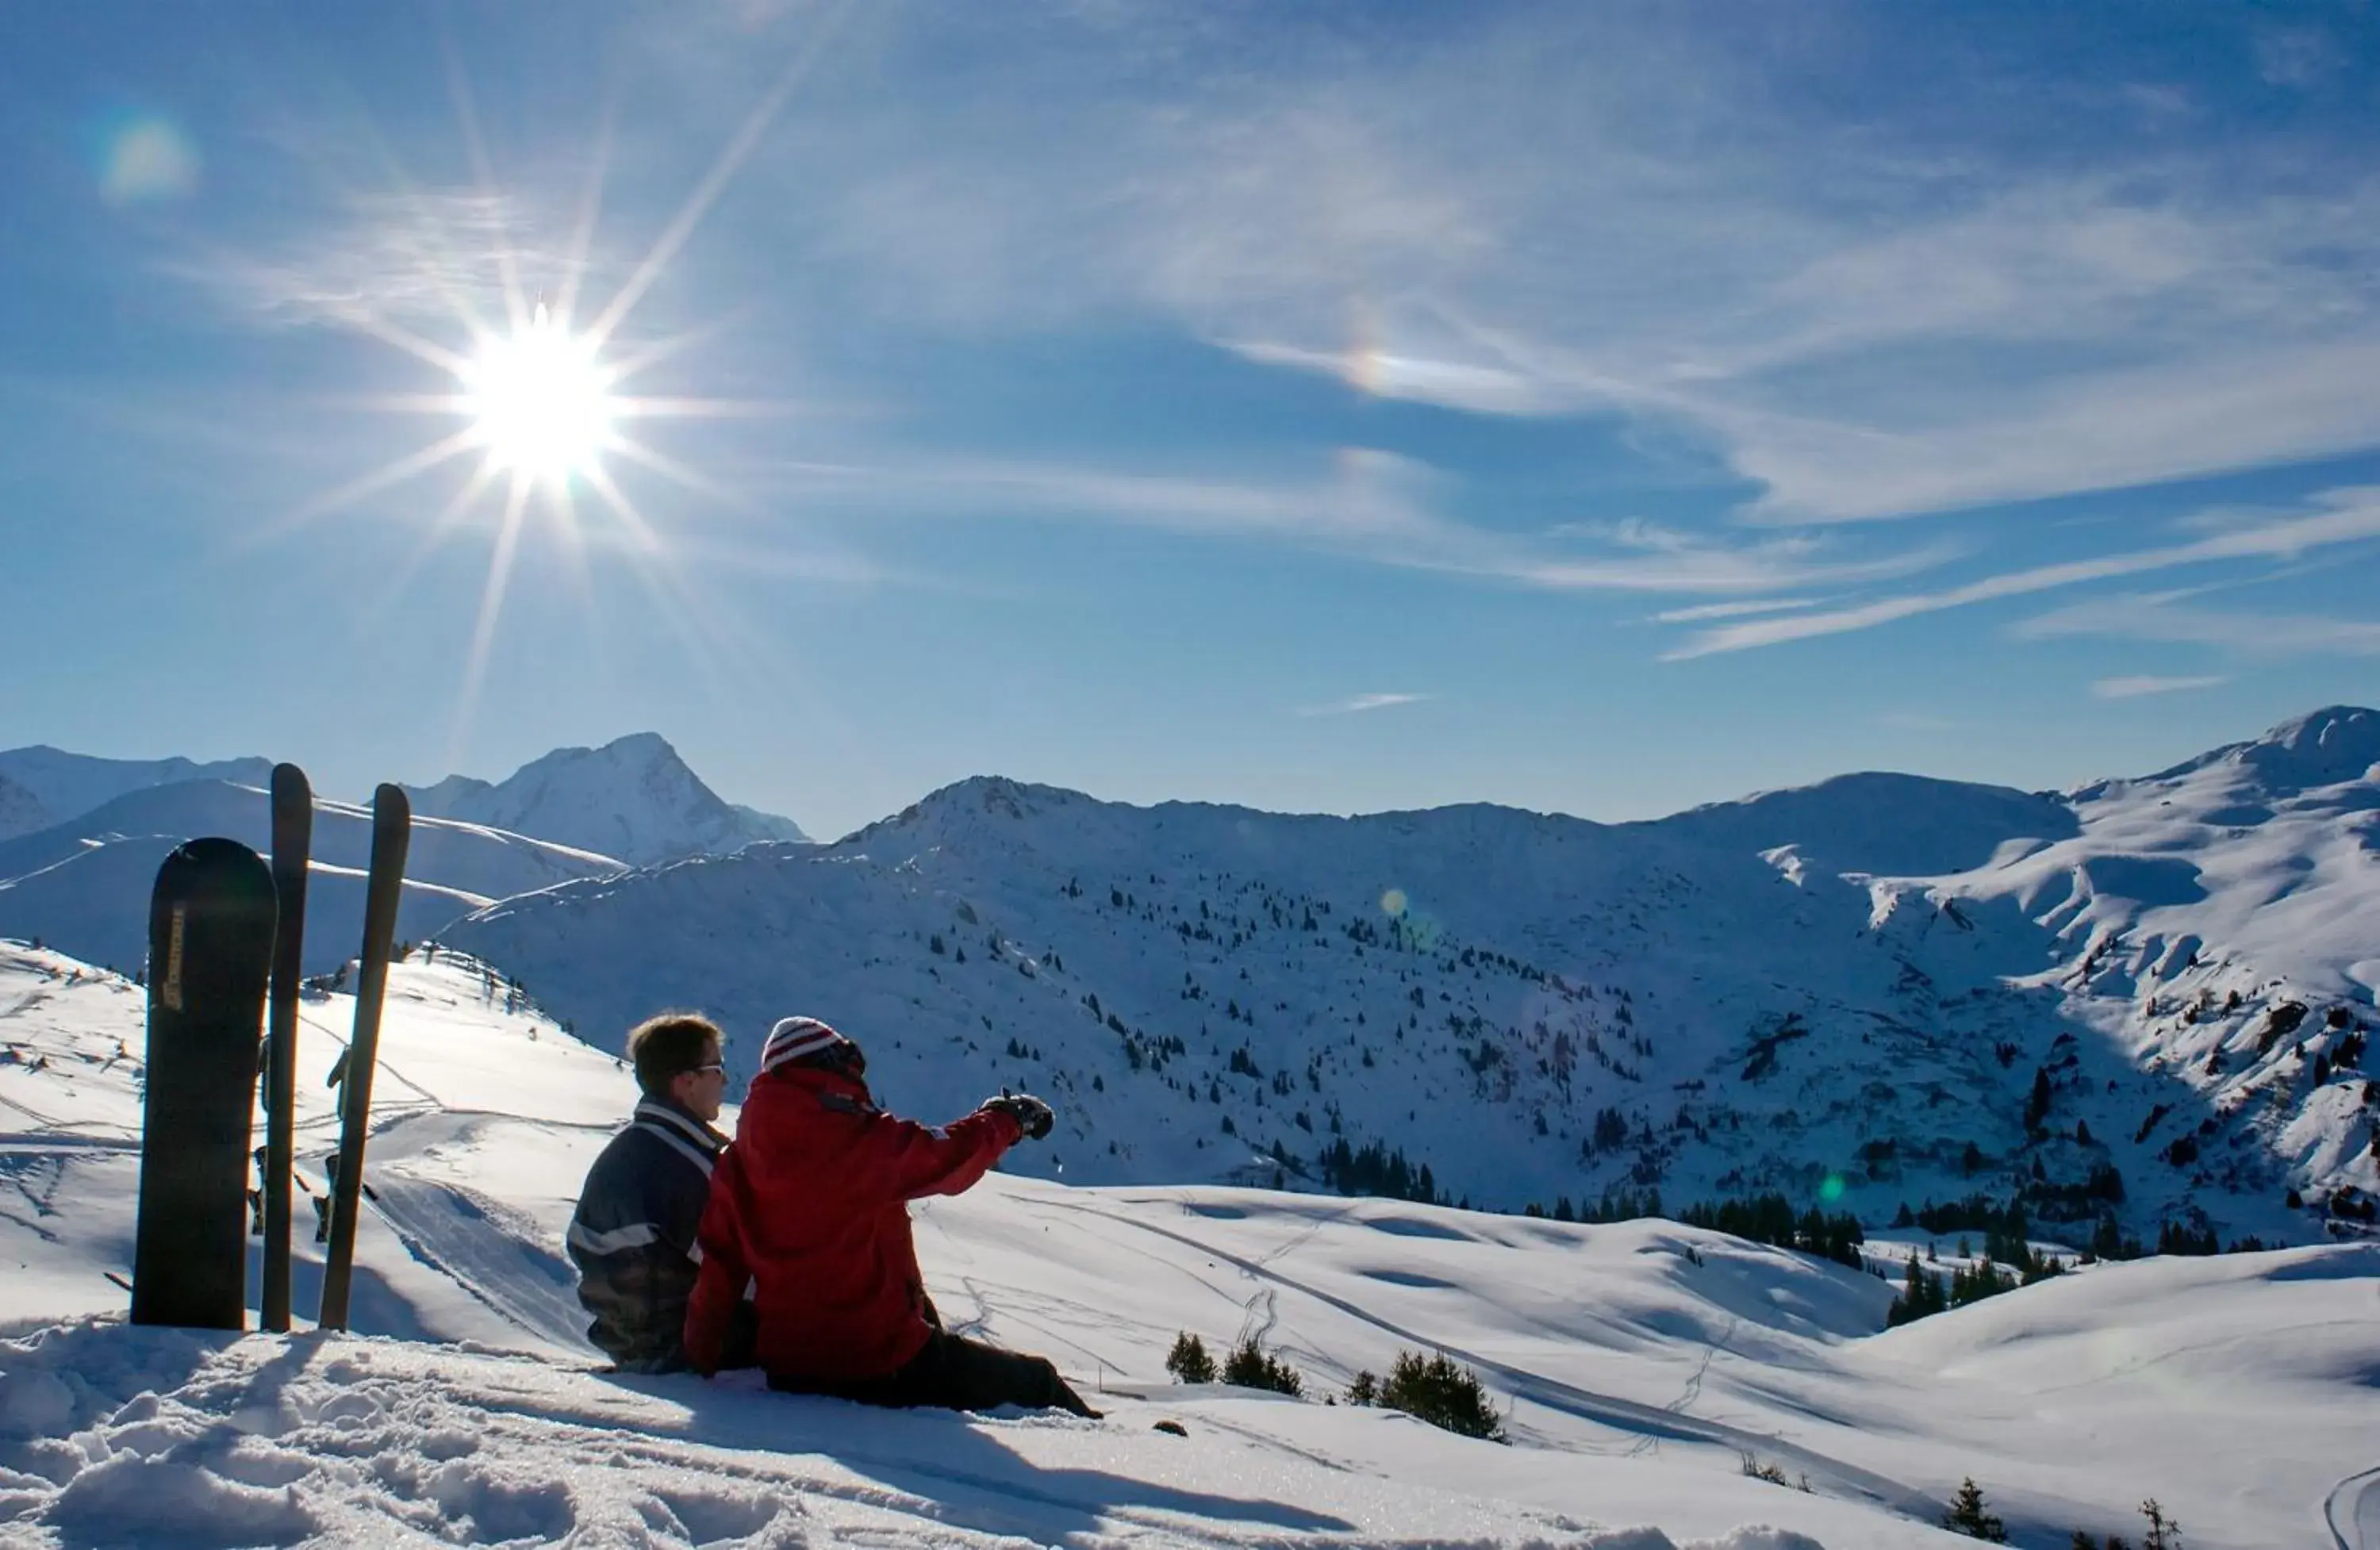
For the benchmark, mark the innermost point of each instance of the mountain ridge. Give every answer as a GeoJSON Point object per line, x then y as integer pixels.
{"type": "Point", "coordinates": [634, 797]}
{"type": "Point", "coordinates": [83, 886]}
{"type": "Point", "coordinates": [67, 785]}
{"type": "Point", "coordinates": [1723, 1002]}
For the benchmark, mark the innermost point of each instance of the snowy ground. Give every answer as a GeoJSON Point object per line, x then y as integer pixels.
{"type": "Point", "coordinates": [2242, 1392]}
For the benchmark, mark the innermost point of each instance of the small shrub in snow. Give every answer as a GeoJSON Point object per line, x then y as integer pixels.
{"type": "Point", "coordinates": [1755, 1469]}
{"type": "Point", "coordinates": [1969, 1517]}
{"type": "Point", "coordinates": [1251, 1366]}
{"type": "Point", "coordinates": [1188, 1361]}
{"type": "Point", "coordinates": [1364, 1390]}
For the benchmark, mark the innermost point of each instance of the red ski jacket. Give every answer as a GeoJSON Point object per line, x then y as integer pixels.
{"type": "Point", "coordinates": [809, 1205]}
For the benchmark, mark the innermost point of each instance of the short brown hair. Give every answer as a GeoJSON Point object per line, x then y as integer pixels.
{"type": "Point", "coordinates": [667, 1046]}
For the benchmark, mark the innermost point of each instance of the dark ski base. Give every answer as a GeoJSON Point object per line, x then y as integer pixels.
{"type": "Point", "coordinates": [293, 831]}
{"type": "Point", "coordinates": [211, 922]}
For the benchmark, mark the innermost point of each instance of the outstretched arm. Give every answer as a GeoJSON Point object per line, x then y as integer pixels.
{"type": "Point", "coordinates": [904, 1160]}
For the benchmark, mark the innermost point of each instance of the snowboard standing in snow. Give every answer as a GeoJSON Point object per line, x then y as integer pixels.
{"type": "Point", "coordinates": [293, 832]}
{"type": "Point", "coordinates": [211, 924]}
{"type": "Point", "coordinates": [392, 830]}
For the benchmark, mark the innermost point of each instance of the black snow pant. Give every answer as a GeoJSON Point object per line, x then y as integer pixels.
{"type": "Point", "coordinates": [951, 1372]}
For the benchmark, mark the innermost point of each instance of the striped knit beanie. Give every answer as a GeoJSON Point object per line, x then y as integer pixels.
{"type": "Point", "coordinates": [800, 1039]}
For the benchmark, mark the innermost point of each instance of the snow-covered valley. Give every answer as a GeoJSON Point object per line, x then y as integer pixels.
{"type": "Point", "coordinates": [1640, 1362]}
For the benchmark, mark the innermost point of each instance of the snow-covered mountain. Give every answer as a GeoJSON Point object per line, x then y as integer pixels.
{"type": "Point", "coordinates": [2140, 1001]}
{"type": "Point", "coordinates": [64, 786]}
{"type": "Point", "coordinates": [82, 887]}
{"type": "Point", "coordinates": [633, 798]}
{"type": "Point", "coordinates": [1642, 1369]}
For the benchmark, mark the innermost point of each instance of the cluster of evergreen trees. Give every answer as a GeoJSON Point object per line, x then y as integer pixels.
{"type": "Point", "coordinates": [2005, 1226]}
{"type": "Point", "coordinates": [1622, 1205]}
{"type": "Point", "coordinates": [2178, 1237]}
{"type": "Point", "coordinates": [1378, 1169]}
{"type": "Point", "coordinates": [1429, 1388]}
{"type": "Point", "coordinates": [1770, 1218]}
{"type": "Point", "coordinates": [1433, 1389]}
{"type": "Point", "coordinates": [1249, 1366]}
{"type": "Point", "coordinates": [1923, 1293]}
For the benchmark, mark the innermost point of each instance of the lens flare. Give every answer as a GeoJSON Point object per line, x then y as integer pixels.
{"type": "Point", "coordinates": [541, 403]}
{"type": "Point", "coordinates": [146, 160]}
{"type": "Point", "coordinates": [1392, 902]}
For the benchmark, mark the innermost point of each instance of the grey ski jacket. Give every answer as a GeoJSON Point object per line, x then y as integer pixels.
{"type": "Point", "coordinates": [633, 1237]}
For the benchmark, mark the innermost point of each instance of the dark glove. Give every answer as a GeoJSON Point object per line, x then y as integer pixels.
{"type": "Point", "coordinates": [1032, 1116]}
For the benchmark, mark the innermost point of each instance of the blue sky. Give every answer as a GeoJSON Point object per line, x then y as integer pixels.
{"type": "Point", "coordinates": [1597, 408]}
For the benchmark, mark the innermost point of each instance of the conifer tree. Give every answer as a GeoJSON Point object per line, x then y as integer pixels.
{"type": "Point", "coordinates": [1969, 1517]}
{"type": "Point", "coordinates": [1188, 1361]}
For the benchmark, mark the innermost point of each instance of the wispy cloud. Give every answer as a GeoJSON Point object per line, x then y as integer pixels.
{"type": "Point", "coordinates": [2296, 56]}
{"type": "Point", "coordinates": [1701, 611]}
{"type": "Point", "coordinates": [2348, 516]}
{"type": "Point", "coordinates": [417, 256]}
{"type": "Point", "coordinates": [1864, 323]}
{"type": "Point", "coordinates": [2162, 617]}
{"type": "Point", "coordinates": [1358, 704]}
{"type": "Point", "coordinates": [1372, 505]}
{"type": "Point", "coordinates": [2134, 687]}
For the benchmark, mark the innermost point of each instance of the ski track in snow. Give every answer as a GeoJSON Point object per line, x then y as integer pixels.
{"type": "Point", "coordinates": [2363, 1517]}
{"type": "Point", "coordinates": [1625, 1415]}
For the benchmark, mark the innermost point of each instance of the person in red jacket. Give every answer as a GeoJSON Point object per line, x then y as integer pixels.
{"type": "Point", "coordinates": [810, 1207]}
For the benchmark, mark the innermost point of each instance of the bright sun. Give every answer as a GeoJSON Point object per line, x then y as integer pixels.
{"type": "Point", "coordinates": [539, 402]}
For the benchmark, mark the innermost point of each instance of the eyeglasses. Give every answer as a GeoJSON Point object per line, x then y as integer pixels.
{"type": "Point", "coordinates": [698, 1070]}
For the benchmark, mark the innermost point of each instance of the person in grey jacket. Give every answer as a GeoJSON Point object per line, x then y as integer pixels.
{"type": "Point", "coordinates": [633, 1236]}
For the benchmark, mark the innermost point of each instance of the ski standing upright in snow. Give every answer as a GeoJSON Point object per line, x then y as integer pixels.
{"type": "Point", "coordinates": [293, 831]}
{"type": "Point", "coordinates": [392, 832]}
{"type": "Point", "coordinates": [210, 927]}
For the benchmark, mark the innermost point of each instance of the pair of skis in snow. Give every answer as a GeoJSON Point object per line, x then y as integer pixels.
{"type": "Point", "coordinates": [223, 927]}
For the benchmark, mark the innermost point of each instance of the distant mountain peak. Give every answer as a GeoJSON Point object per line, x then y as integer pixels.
{"type": "Point", "coordinates": [634, 748]}
{"type": "Point", "coordinates": [2346, 729]}
{"type": "Point", "coordinates": [633, 797]}
{"type": "Point", "coordinates": [2324, 747]}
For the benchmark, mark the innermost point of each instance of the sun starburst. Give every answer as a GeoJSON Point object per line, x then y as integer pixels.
{"type": "Point", "coordinates": [540, 396]}
{"type": "Point", "coordinates": [540, 402]}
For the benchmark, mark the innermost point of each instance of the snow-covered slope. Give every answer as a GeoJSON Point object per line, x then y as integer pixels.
{"type": "Point", "coordinates": [768, 826]}
{"type": "Point", "coordinates": [1881, 824]}
{"type": "Point", "coordinates": [1639, 1362]}
{"type": "Point", "coordinates": [1537, 1008]}
{"type": "Point", "coordinates": [83, 886]}
{"type": "Point", "coordinates": [64, 786]}
{"type": "Point", "coordinates": [633, 798]}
